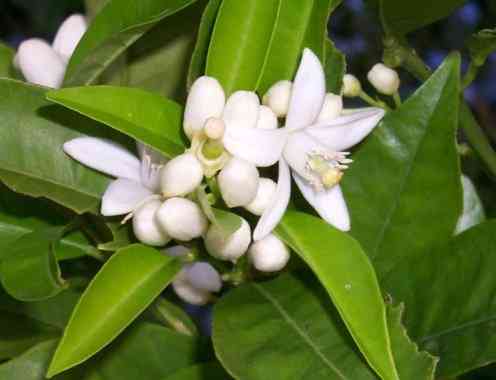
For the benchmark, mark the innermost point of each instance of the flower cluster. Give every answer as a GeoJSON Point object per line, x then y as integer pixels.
{"type": "Point", "coordinates": [297, 126]}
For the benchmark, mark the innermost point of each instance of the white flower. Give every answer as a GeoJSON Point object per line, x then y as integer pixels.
{"type": "Point", "coordinates": [145, 226]}
{"type": "Point", "coordinates": [351, 86]}
{"type": "Point", "coordinates": [332, 107]}
{"type": "Point", "coordinates": [181, 219]}
{"type": "Point", "coordinates": [137, 180]}
{"type": "Point", "coordinates": [231, 248]}
{"type": "Point", "coordinates": [269, 254]}
{"type": "Point", "coordinates": [278, 96]}
{"type": "Point", "coordinates": [384, 79]}
{"type": "Point", "coordinates": [265, 192]}
{"type": "Point", "coordinates": [45, 65]}
{"type": "Point", "coordinates": [196, 281]}
{"type": "Point", "coordinates": [238, 182]}
{"type": "Point", "coordinates": [181, 175]}
{"type": "Point", "coordinates": [316, 152]}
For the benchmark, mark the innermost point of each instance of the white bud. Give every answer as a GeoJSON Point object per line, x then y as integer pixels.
{"type": "Point", "coordinates": [203, 276]}
{"type": "Point", "coordinates": [351, 86]}
{"type": "Point", "coordinates": [241, 110]}
{"type": "Point", "coordinates": [231, 248]}
{"type": "Point", "coordinates": [181, 175]}
{"type": "Point", "coordinates": [206, 99]}
{"type": "Point", "coordinates": [278, 96]}
{"type": "Point", "coordinates": [269, 254]}
{"type": "Point", "coordinates": [267, 119]}
{"type": "Point", "coordinates": [332, 108]}
{"type": "Point", "coordinates": [214, 128]}
{"type": "Point", "coordinates": [384, 79]}
{"type": "Point", "coordinates": [182, 219]}
{"type": "Point", "coordinates": [145, 226]}
{"type": "Point", "coordinates": [68, 36]}
{"type": "Point", "coordinates": [187, 292]}
{"type": "Point", "coordinates": [265, 193]}
{"type": "Point", "coordinates": [238, 182]}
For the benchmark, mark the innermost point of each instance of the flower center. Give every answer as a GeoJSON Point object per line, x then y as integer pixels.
{"type": "Point", "coordinates": [326, 168]}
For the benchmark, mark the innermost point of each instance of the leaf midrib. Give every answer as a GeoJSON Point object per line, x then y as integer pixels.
{"type": "Point", "coordinates": [292, 323]}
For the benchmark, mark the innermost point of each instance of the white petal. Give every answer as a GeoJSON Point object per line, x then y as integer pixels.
{"type": "Point", "coordinates": [297, 149]}
{"type": "Point", "coordinates": [329, 204]}
{"type": "Point", "coordinates": [261, 147]}
{"type": "Point", "coordinates": [348, 130]}
{"type": "Point", "coordinates": [122, 196]}
{"type": "Point", "coordinates": [241, 110]}
{"type": "Point", "coordinates": [308, 92]}
{"type": "Point", "coordinates": [204, 277]}
{"type": "Point", "coordinates": [274, 213]}
{"type": "Point", "coordinates": [155, 156]}
{"type": "Point", "coordinates": [69, 35]}
{"type": "Point", "coordinates": [104, 156]}
{"type": "Point", "coordinates": [177, 251]}
{"type": "Point", "coordinates": [267, 119]}
{"type": "Point", "coordinates": [40, 64]}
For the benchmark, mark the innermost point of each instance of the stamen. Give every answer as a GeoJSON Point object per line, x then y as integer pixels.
{"type": "Point", "coordinates": [326, 168]}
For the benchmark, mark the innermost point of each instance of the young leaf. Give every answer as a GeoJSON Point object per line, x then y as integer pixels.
{"type": "Point", "coordinates": [114, 298]}
{"type": "Point", "coordinates": [453, 305]}
{"type": "Point", "coordinates": [258, 42]}
{"type": "Point", "coordinates": [349, 278]}
{"type": "Point", "coordinates": [481, 45]}
{"type": "Point", "coordinates": [404, 189]}
{"type": "Point", "coordinates": [114, 29]}
{"type": "Point", "coordinates": [32, 161]}
{"type": "Point", "coordinates": [289, 328]}
{"type": "Point", "coordinates": [335, 67]}
{"type": "Point", "coordinates": [30, 271]}
{"type": "Point", "coordinates": [147, 117]}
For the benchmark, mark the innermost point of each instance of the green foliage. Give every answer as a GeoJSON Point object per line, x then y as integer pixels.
{"type": "Point", "coordinates": [481, 45]}
{"type": "Point", "coordinates": [7, 69]}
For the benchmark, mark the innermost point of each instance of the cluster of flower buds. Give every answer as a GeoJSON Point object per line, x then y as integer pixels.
{"type": "Point", "coordinates": [384, 79]}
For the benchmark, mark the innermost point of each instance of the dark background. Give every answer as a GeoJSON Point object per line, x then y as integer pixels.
{"type": "Point", "coordinates": [358, 35]}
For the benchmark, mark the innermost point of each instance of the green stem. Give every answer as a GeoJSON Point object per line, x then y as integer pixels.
{"type": "Point", "coordinates": [470, 75]}
{"type": "Point", "coordinates": [397, 99]}
{"type": "Point", "coordinates": [368, 99]}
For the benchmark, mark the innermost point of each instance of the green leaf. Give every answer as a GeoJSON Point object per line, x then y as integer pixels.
{"type": "Point", "coordinates": [290, 329]}
{"type": "Point", "coordinates": [169, 314]}
{"type": "Point", "coordinates": [144, 351]}
{"type": "Point", "coordinates": [453, 305]}
{"type": "Point", "coordinates": [114, 298]}
{"type": "Point", "coordinates": [349, 278]}
{"type": "Point", "coordinates": [21, 215]}
{"type": "Point", "coordinates": [114, 29]}
{"type": "Point", "coordinates": [32, 162]}
{"type": "Point", "coordinates": [334, 67]}
{"type": "Point", "coordinates": [403, 189]}
{"type": "Point", "coordinates": [31, 272]}
{"type": "Point", "coordinates": [481, 45]}
{"type": "Point", "coordinates": [6, 62]}
{"type": "Point", "coordinates": [203, 371]}
{"type": "Point", "coordinates": [473, 210]}
{"type": "Point", "coordinates": [147, 117]}
{"type": "Point", "coordinates": [258, 42]}
{"type": "Point", "coordinates": [93, 7]}
{"type": "Point", "coordinates": [404, 17]}
{"type": "Point", "coordinates": [199, 56]}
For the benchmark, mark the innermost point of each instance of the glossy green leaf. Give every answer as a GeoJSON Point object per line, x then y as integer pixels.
{"type": "Point", "coordinates": [334, 67]}
{"type": "Point", "coordinates": [173, 316]}
{"type": "Point", "coordinates": [144, 351]}
{"type": "Point", "coordinates": [403, 189]}
{"type": "Point", "coordinates": [450, 299]}
{"type": "Point", "coordinates": [289, 328]}
{"type": "Point", "coordinates": [199, 55]}
{"type": "Point", "coordinates": [147, 117]}
{"type": "Point", "coordinates": [119, 24]}
{"type": "Point", "coordinates": [114, 298]}
{"type": "Point", "coordinates": [349, 278]}
{"type": "Point", "coordinates": [93, 7]}
{"type": "Point", "coordinates": [21, 215]}
{"type": "Point", "coordinates": [255, 43]}
{"type": "Point", "coordinates": [404, 17]}
{"type": "Point", "coordinates": [120, 236]}
{"type": "Point", "coordinates": [481, 45]}
{"type": "Point", "coordinates": [6, 62]}
{"type": "Point", "coordinates": [203, 371]}
{"type": "Point", "coordinates": [30, 271]}
{"type": "Point", "coordinates": [32, 162]}
{"type": "Point", "coordinates": [473, 209]}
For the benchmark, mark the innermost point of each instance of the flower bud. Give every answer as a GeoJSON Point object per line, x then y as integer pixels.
{"type": "Point", "coordinates": [182, 219]}
{"type": "Point", "coordinates": [230, 248]}
{"type": "Point", "coordinates": [267, 119]}
{"type": "Point", "coordinates": [187, 292]}
{"type": "Point", "coordinates": [68, 36]}
{"type": "Point", "coordinates": [145, 226]}
{"type": "Point", "coordinates": [214, 128]}
{"type": "Point", "coordinates": [181, 175]}
{"type": "Point", "coordinates": [238, 182]}
{"type": "Point", "coordinates": [351, 86]}
{"type": "Point", "coordinates": [241, 110]}
{"type": "Point", "coordinates": [332, 107]}
{"type": "Point", "coordinates": [278, 96]}
{"type": "Point", "coordinates": [265, 193]}
{"type": "Point", "coordinates": [203, 276]}
{"type": "Point", "coordinates": [384, 79]}
{"type": "Point", "coordinates": [269, 254]}
{"type": "Point", "coordinates": [206, 99]}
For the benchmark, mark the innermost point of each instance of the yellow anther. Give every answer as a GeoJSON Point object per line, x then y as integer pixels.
{"type": "Point", "coordinates": [331, 177]}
